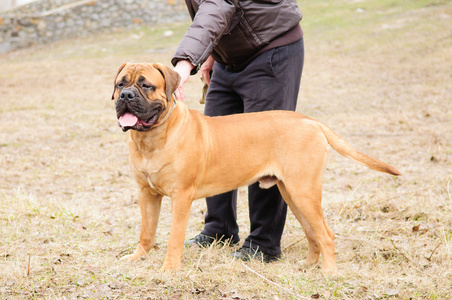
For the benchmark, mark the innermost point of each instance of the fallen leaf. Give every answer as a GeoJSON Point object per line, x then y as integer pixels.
{"type": "Point", "coordinates": [80, 226]}
{"type": "Point", "coordinates": [109, 231]}
{"type": "Point", "coordinates": [198, 291]}
{"type": "Point", "coordinates": [10, 283]}
{"type": "Point", "coordinates": [235, 295]}
{"type": "Point", "coordinates": [385, 209]}
{"type": "Point", "coordinates": [116, 285]}
{"type": "Point", "coordinates": [57, 261]}
{"type": "Point", "coordinates": [92, 269]}
{"type": "Point", "coordinates": [391, 292]}
{"type": "Point", "coordinates": [99, 291]}
{"type": "Point", "coordinates": [80, 282]}
{"type": "Point", "coordinates": [363, 289]}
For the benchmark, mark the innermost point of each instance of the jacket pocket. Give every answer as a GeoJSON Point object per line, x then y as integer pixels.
{"type": "Point", "coordinates": [272, 61]}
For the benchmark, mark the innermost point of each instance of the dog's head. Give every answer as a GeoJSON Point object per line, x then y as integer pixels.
{"type": "Point", "coordinates": [142, 93]}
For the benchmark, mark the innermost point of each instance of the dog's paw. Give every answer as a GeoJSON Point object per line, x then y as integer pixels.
{"type": "Point", "coordinates": [330, 272]}
{"type": "Point", "coordinates": [127, 257]}
{"type": "Point", "coordinates": [309, 263]}
{"type": "Point", "coordinates": [171, 266]}
{"type": "Point", "coordinates": [133, 257]}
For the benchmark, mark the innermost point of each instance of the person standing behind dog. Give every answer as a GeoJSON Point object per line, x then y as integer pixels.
{"type": "Point", "coordinates": [251, 54]}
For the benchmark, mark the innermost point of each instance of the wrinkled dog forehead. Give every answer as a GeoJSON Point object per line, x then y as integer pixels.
{"type": "Point", "coordinates": [138, 73]}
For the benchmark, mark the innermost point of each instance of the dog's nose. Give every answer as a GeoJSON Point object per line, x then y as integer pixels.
{"type": "Point", "coordinates": [127, 95]}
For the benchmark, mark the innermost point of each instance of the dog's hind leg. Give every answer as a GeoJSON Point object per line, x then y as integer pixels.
{"type": "Point", "coordinates": [313, 246]}
{"type": "Point", "coordinates": [304, 200]}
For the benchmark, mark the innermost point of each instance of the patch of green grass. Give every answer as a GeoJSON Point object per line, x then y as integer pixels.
{"type": "Point", "coordinates": [345, 15]}
{"type": "Point", "coordinates": [354, 26]}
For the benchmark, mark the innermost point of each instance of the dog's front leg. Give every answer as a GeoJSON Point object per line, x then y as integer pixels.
{"type": "Point", "coordinates": [181, 205]}
{"type": "Point", "coordinates": [150, 209]}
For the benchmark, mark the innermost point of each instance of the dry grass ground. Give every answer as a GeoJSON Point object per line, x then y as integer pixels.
{"type": "Point", "coordinates": [378, 72]}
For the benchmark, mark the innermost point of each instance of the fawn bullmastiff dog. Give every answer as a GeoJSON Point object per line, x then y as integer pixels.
{"type": "Point", "coordinates": [182, 154]}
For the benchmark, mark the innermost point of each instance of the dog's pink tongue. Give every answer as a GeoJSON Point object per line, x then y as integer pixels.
{"type": "Point", "coordinates": [128, 120]}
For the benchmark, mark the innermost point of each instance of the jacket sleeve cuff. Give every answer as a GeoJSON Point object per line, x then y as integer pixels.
{"type": "Point", "coordinates": [195, 69]}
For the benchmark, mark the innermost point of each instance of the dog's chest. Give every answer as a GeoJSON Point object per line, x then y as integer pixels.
{"type": "Point", "coordinates": [148, 179]}
{"type": "Point", "coordinates": [151, 177]}
{"type": "Point", "coordinates": [150, 173]}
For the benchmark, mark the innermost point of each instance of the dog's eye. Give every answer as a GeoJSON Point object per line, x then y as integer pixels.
{"type": "Point", "coordinates": [120, 85]}
{"type": "Point", "coordinates": [147, 86]}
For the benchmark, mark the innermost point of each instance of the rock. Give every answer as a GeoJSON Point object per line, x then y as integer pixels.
{"type": "Point", "coordinates": [50, 20]}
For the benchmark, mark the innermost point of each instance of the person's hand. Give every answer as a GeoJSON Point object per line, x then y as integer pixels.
{"type": "Point", "coordinates": [183, 67]}
{"type": "Point", "coordinates": [206, 68]}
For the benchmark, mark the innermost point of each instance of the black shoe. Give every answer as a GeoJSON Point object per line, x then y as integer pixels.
{"type": "Point", "coordinates": [246, 254]}
{"type": "Point", "coordinates": [205, 241]}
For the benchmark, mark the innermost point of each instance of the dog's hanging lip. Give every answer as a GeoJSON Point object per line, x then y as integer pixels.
{"type": "Point", "coordinates": [128, 120]}
{"type": "Point", "coordinates": [150, 121]}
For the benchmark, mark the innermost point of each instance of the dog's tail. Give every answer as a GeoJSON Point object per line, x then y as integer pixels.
{"type": "Point", "coordinates": [343, 148]}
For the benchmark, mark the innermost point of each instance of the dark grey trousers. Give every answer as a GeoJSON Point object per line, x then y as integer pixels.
{"type": "Point", "coordinates": [269, 82]}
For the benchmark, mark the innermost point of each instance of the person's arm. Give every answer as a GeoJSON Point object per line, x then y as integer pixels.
{"type": "Point", "coordinates": [206, 69]}
{"type": "Point", "coordinates": [209, 23]}
{"type": "Point", "coordinates": [183, 67]}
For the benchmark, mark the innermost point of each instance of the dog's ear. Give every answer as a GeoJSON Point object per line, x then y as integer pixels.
{"type": "Point", "coordinates": [172, 79]}
{"type": "Point", "coordinates": [114, 83]}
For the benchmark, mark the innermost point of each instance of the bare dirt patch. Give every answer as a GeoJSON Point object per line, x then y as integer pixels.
{"type": "Point", "coordinates": [68, 207]}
